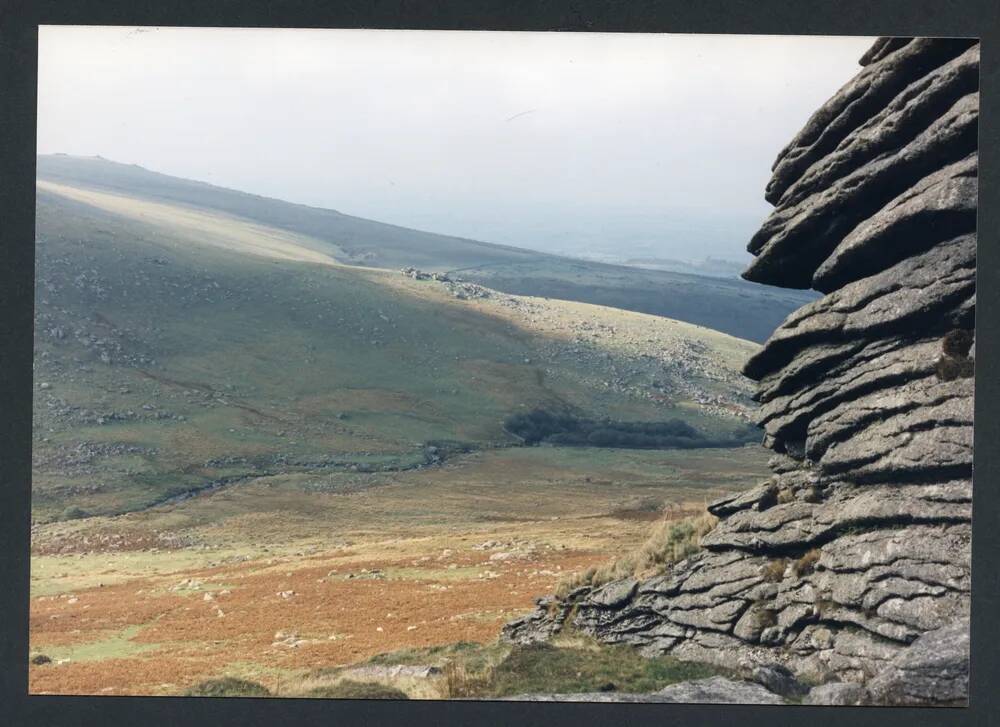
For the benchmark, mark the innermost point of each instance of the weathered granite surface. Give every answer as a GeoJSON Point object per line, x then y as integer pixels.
{"type": "Point", "coordinates": [850, 566]}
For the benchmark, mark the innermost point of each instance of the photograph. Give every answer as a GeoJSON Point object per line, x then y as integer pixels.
{"type": "Point", "coordinates": [503, 365]}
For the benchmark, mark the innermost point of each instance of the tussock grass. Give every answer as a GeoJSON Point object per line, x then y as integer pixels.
{"type": "Point", "coordinates": [545, 668]}
{"type": "Point", "coordinates": [807, 563]}
{"type": "Point", "coordinates": [774, 571]}
{"type": "Point", "coordinates": [466, 679]}
{"type": "Point", "coordinates": [671, 540]}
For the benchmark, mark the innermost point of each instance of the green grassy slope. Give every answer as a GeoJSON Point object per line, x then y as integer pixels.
{"type": "Point", "coordinates": [736, 307]}
{"type": "Point", "coordinates": [174, 354]}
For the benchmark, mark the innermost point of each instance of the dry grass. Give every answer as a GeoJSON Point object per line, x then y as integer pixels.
{"type": "Point", "coordinates": [673, 539]}
{"type": "Point", "coordinates": [807, 563]}
{"type": "Point", "coordinates": [341, 620]}
{"type": "Point", "coordinates": [464, 679]}
{"type": "Point", "coordinates": [774, 571]}
{"type": "Point", "coordinates": [437, 579]}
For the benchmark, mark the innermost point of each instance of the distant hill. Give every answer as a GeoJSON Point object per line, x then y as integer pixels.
{"type": "Point", "coordinates": [178, 346]}
{"type": "Point", "coordinates": [711, 267]}
{"type": "Point", "coordinates": [732, 306]}
{"type": "Point", "coordinates": [353, 240]}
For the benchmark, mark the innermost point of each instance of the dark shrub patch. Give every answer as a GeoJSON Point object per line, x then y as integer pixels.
{"type": "Point", "coordinates": [357, 690]}
{"type": "Point", "coordinates": [949, 368]}
{"type": "Point", "coordinates": [537, 425]}
{"type": "Point", "coordinates": [957, 343]}
{"type": "Point", "coordinates": [227, 687]}
{"type": "Point", "coordinates": [571, 431]}
{"type": "Point", "coordinates": [74, 513]}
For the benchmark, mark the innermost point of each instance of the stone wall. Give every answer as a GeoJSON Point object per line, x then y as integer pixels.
{"type": "Point", "coordinates": [859, 544]}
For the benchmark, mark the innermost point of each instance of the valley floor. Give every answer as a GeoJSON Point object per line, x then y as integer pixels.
{"type": "Point", "coordinates": [278, 578]}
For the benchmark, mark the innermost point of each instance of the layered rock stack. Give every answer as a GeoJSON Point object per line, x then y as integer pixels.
{"type": "Point", "coordinates": [852, 563]}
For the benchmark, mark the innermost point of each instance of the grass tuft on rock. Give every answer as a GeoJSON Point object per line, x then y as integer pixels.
{"type": "Point", "coordinates": [774, 571]}
{"type": "Point", "coordinates": [671, 540]}
{"type": "Point", "coordinates": [807, 563]}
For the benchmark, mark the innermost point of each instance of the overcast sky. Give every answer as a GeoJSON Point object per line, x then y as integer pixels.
{"type": "Point", "coordinates": [658, 144]}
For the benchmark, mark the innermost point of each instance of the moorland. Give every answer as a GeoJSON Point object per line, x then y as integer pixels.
{"type": "Point", "coordinates": [285, 445]}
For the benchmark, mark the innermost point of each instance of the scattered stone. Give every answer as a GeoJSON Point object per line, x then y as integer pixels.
{"type": "Point", "coordinates": [839, 694]}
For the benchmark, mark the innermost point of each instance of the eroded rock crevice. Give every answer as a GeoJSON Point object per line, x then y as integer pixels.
{"type": "Point", "coordinates": [851, 564]}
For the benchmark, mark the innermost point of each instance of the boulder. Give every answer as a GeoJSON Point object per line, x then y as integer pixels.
{"type": "Point", "coordinates": [852, 419]}
{"type": "Point", "coordinates": [614, 594]}
{"type": "Point", "coordinates": [881, 48]}
{"type": "Point", "coordinates": [795, 240]}
{"type": "Point", "coordinates": [798, 526]}
{"type": "Point", "coordinates": [933, 670]}
{"type": "Point", "coordinates": [862, 97]}
{"type": "Point", "coordinates": [719, 690]}
{"type": "Point", "coordinates": [778, 678]}
{"type": "Point", "coordinates": [909, 113]}
{"type": "Point", "coordinates": [932, 292]}
{"type": "Point", "coordinates": [938, 207]}
{"type": "Point", "coordinates": [933, 442]}
{"type": "Point", "coordinates": [786, 418]}
{"type": "Point", "coordinates": [754, 498]}
{"type": "Point", "coordinates": [539, 625]}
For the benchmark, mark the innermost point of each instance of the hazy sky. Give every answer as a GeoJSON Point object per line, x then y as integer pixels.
{"type": "Point", "coordinates": [623, 142]}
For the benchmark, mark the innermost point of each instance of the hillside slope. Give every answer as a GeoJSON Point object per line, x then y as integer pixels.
{"type": "Point", "coordinates": [731, 306]}
{"type": "Point", "coordinates": [179, 348]}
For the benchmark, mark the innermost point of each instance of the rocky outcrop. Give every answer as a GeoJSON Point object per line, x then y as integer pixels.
{"type": "Point", "coordinates": [850, 566]}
